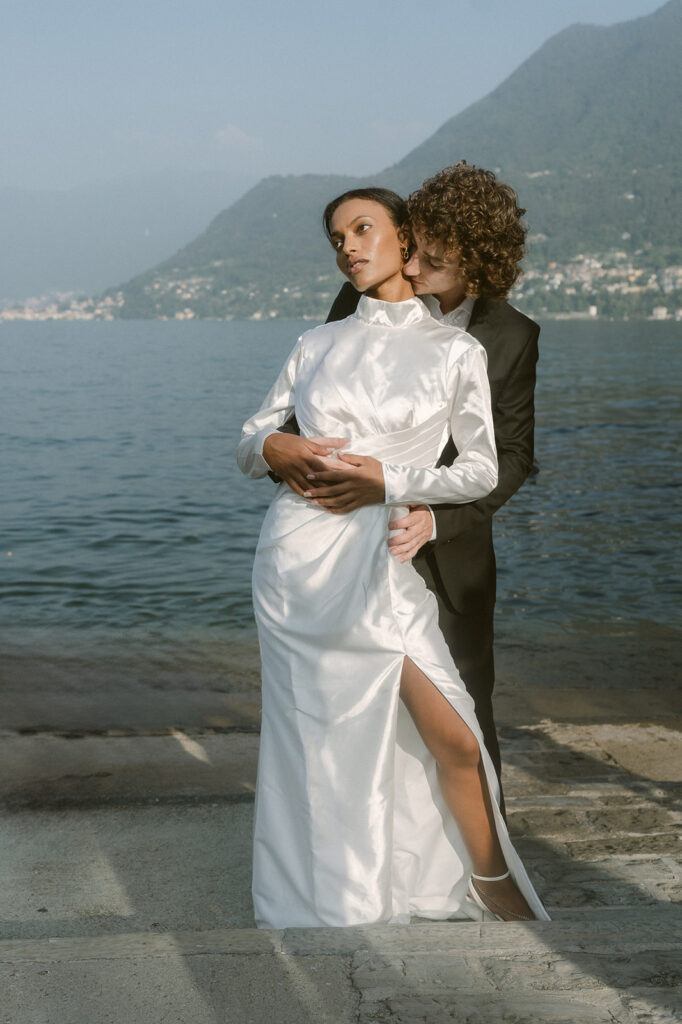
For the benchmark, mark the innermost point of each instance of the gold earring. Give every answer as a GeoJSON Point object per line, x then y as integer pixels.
{"type": "Point", "coordinates": [405, 253]}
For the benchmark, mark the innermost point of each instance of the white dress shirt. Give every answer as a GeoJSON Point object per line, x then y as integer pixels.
{"type": "Point", "coordinates": [459, 317]}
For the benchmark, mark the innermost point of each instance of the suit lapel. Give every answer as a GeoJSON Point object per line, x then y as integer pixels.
{"type": "Point", "coordinates": [479, 314]}
{"type": "Point", "coordinates": [484, 324]}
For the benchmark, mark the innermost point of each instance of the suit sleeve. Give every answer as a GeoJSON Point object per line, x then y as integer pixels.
{"type": "Point", "coordinates": [514, 420]}
{"type": "Point", "coordinates": [275, 410]}
{"type": "Point", "coordinates": [473, 474]}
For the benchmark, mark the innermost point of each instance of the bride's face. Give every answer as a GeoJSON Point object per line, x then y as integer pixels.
{"type": "Point", "coordinates": [368, 246]}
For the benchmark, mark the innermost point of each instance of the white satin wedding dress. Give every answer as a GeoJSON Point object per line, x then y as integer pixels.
{"type": "Point", "coordinates": [350, 826]}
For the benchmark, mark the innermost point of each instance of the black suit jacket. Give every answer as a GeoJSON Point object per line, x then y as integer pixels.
{"type": "Point", "coordinates": [462, 558]}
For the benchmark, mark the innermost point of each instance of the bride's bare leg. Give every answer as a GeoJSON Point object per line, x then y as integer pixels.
{"type": "Point", "coordinates": [463, 783]}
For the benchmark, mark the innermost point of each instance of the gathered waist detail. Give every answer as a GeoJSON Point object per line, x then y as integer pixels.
{"type": "Point", "coordinates": [413, 446]}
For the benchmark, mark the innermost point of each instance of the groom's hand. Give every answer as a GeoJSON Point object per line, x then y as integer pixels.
{"type": "Point", "coordinates": [416, 529]}
{"type": "Point", "coordinates": [360, 482]}
{"type": "Point", "coordinates": [292, 457]}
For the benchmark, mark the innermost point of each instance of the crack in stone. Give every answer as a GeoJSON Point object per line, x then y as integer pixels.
{"type": "Point", "coordinates": [355, 989]}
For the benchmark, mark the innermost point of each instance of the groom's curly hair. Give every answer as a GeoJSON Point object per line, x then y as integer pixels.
{"type": "Point", "coordinates": [477, 220]}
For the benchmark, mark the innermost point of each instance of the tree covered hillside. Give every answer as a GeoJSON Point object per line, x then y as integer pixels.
{"type": "Point", "coordinates": [587, 130]}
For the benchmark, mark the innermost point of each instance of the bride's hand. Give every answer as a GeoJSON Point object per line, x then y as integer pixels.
{"type": "Point", "coordinates": [292, 457]}
{"type": "Point", "coordinates": [360, 482]}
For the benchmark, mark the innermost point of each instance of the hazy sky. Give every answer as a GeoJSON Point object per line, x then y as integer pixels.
{"type": "Point", "coordinates": [92, 89]}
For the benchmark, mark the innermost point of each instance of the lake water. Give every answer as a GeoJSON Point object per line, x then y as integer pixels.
{"type": "Point", "coordinates": [128, 532]}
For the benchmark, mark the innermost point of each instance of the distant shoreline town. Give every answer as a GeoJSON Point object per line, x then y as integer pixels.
{"type": "Point", "coordinates": [615, 285]}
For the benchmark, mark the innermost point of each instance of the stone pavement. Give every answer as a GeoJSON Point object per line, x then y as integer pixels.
{"type": "Point", "coordinates": [124, 873]}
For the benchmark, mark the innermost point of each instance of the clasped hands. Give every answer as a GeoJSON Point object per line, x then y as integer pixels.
{"type": "Point", "coordinates": [341, 484]}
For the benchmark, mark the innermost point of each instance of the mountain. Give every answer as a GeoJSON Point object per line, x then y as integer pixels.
{"type": "Point", "coordinates": [591, 118]}
{"type": "Point", "coordinates": [269, 242]}
{"type": "Point", "coordinates": [587, 130]}
{"type": "Point", "coordinates": [83, 238]}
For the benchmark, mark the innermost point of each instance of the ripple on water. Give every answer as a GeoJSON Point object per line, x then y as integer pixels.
{"type": "Point", "coordinates": [127, 509]}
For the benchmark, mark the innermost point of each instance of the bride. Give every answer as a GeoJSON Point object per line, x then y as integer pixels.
{"type": "Point", "coordinates": [376, 798]}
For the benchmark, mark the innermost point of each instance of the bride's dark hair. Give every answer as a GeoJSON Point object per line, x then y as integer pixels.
{"type": "Point", "coordinates": [395, 206]}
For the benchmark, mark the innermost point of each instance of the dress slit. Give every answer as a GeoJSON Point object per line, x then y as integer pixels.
{"type": "Point", "coordinates": [462, 705]}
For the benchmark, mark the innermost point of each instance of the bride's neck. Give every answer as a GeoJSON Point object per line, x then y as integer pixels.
{"type": "Point", "coordinates": [396, 289]}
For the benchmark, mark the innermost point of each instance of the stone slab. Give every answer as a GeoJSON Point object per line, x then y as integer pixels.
{"type": "Point", "coordinates": [604, 882]}
{"type": "Point", "coordinates": [50, 682]}
{"type": "Point", "coordinates": [466, 1008]}
{"type": "Point", "coordinates": [622, 932]}
{"type": "Point", "coordinates": [625, 664]}
{"type": "Point", "coordinates": [238, 941]}
{"type": "Point", "coordinates": [141, 868]}
{"type": "Point", "coordinates": [624, 967]}
{"type": "Point", "coordinates": [567, 823]}
{"type": "Point", "coordinates": [47, 770]}
{"type": "Point", "coordinates": [577, 970]}
{"type": "Point", "coordinates": [612, 847]}
{"type": "Point", "coordinates": [663, 1007]}
{"type": "Point", "coordinates": [627, 930]}
{"type": "Point", "coordinates": [651, 751]}
{"type": "Point", "coordinates": [207, 989]}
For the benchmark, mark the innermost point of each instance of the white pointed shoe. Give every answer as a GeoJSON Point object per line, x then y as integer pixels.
{"type": "Point", "coordinates": [483, 911]}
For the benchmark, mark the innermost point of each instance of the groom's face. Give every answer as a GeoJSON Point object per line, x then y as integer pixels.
{"type": "Point", "coordinates": [431, 270]}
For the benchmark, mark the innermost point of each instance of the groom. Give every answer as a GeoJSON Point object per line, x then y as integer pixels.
{"type": "Point", "coordinates": [469, 241]}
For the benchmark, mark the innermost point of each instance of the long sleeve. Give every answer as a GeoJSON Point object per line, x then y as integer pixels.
{"type": "Point", "coordinates": [275, 410]}
{"type": "Point", "coordinates": [473, 474]}
{"type": "Point", "coordinates": [514, 425]}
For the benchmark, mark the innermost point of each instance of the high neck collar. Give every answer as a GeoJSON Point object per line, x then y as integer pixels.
{"type": "Point", "coordinates": [391, 314]}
